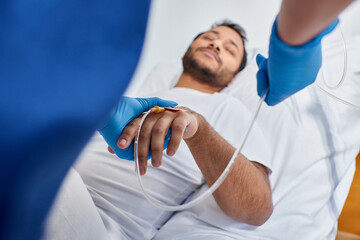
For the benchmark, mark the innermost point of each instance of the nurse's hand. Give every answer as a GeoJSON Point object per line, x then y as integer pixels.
{"type": "Point", "coordinates": [126, 110]}
{"type": "Point", "coordinates": [182, 122]}
{"type": "Point", "coordinates": [289, 68]}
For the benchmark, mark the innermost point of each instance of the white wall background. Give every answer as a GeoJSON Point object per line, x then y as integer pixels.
{"type": "Point", "coordinates": [174, 23]}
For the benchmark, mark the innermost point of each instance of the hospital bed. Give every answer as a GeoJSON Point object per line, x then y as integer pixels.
{"type": "Point", "coordinates": [172, 26]}
{"type": "Point", "coordinates": [349, 220]}
{"type": "Point", "coordinates": [160, 76]}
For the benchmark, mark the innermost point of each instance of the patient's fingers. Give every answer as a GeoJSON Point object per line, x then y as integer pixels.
{"type": "Point", "coordinates": [142, 165]}
{"type": "Point", "coordinates": [177, 131]}
{"type": "Point", "coordinates": [144, 142]}
{"type": "Point", "coordinates": [154, 130]}
{"type": "Point", "coordinates": [129, 133]}
{"type": "Point", "coordinates": [158, 134]}
{"type": "Point", "coordinates": [110, 150]}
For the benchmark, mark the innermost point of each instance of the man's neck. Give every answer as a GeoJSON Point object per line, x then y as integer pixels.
{"type": "Point", "coordinates": [187, 81]}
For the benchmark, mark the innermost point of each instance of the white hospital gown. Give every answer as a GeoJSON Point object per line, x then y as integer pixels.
{"type": "Point", "coordinates": [113, 185]}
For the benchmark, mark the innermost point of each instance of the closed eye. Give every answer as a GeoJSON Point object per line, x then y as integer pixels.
{"type": "Point", "coordinates": [230, 51]}
{"type": "Point", "coordinates": [209, 36]}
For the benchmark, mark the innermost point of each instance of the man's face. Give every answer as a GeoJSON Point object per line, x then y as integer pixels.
{"type": "Point", "coordinates": [215, 56]}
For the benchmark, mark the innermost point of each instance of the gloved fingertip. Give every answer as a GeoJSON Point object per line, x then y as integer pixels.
{"type": "Point", "coordinates": [262, 82]}
{"type": "Point", "coordinates": [272, 100]}
{"type": "Point", "coordinates": [171, 103]}
{"type": "Point", "coordinates": [148, 103]}
{"type": "Point", "coordinates": [329, 28]}
{"type": "Point", "coordinates": [165, 103]}
{"type": "Point", "coordinates": [334, 23]}
{"type": "Point", "coordinates": [259, 59]}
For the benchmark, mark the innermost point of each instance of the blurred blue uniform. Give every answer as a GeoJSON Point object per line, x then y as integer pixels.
{"type": "Point", "coordinates": [64, 64]}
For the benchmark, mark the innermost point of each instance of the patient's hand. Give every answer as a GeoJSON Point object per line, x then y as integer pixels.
{"type": "Point", "coordinates": [126, 110]}
{"type": "Point", "coordinates": [183, 124]}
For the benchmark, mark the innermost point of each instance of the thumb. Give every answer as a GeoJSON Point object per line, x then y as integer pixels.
{"type": "Point", "coordinates": [148, 103]}
{"type": "Point", "coordinates": [262, 75]}
{"type": "Point", "coordinates": [262, 82]}
{"type": "Point", "coordinates": [259, 60]}
{"type": "Point", "coordinates": [330, 28]}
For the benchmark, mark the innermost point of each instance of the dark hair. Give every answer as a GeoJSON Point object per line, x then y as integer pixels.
{"type": "Point", "coordinates": [237, 28]}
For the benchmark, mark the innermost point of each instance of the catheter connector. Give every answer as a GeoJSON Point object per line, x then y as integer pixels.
{"type": "Point", "coordinates": [157, 109]}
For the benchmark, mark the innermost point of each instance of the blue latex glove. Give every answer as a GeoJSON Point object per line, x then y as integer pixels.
{"type": "Point", "coordinates": [289, 68]}
{"type": "Point", "coordinates": [128, 109]}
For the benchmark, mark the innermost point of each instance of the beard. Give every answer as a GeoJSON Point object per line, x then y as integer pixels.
{"type": "Point", "coordinates": [217, 79]}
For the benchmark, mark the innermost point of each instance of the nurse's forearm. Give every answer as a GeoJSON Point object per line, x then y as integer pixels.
{"type": "Point", "coordinates": [245, 195]}
{"type": "Point", "coordinates": [301, 20]}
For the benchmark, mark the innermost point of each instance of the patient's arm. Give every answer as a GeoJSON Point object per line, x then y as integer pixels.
{"type": "Point", "coordinates": [245, 195]}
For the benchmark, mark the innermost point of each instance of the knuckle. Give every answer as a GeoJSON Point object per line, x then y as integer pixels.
{"type": "Point", "coordinates": [126, 135]}
{"type": "Point", "coordinates": [177, 128]}
{"type": "Point", "coordinates": [127, 132]}
{"type": "Point", "coordinates": [158, 130]}
{"type": "Point", "coordinates": [156, 152]}
{"type": "Point", "coordinates": [182, 114]}
{"type": "Point", "coordinates": [143, 135]}
{"type": "Point", "coordinates": [151, 116]}
{"type": "Point", "coordinates": [133, 124]}
{"type": "Point", "coordinates": [142, 157]}
{"type": "Point", "coordinates": [147, 126]}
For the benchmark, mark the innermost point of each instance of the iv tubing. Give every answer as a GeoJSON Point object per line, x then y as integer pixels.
{"type": "Point", "coordinates": [339, 99]}
{"type": "Point", "coordinates": [340, 83]}
{"type": "Point", "coordinates": [345, 65]}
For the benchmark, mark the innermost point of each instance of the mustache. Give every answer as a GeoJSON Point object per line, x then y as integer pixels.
{"type": "Point", "coordinates": [211, 49]}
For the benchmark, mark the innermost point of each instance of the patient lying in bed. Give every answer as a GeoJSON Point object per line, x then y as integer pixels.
{"type": "Point", "coordinates": [303, 141]}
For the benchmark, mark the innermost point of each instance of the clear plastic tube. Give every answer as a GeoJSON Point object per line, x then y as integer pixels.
{"type": "Point", "coordinates": [213, 187]}
{"type": "Point", "coordinates": [339, 99]}
{"type": "Point", "coordinates": [340, 83]}
{"type": "Point", "coordinates": [345, 65]}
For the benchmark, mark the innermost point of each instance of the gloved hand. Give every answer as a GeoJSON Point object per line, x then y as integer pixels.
{"type": "Point", "coordinates": [289, 68]}
{"type": "Point", "coordinates": [128, 109]}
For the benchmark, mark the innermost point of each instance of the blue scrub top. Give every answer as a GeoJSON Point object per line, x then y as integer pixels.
{"type": "Point", "coordinates": [63, 65]}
